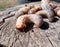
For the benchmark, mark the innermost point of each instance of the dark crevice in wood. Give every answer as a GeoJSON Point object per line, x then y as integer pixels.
{"type": "Point", "coordinates": [1, 24]}
{"type": "Point", "coordinates": [59, 36]}
{"type": "Point", "coordinates": [12, 44]}
{"type": "Point", "coordinates": [45, 26]}
{"type": "Point", "coordinates": [28, 39]}
{"type": "Point", "coordinates": [4, 25]}
{"type": "Point", "coordinates": [2, 45]}
{"type": "Point", "coordinates": [50, 40]}
{"type": "Point", "coordinates": [55, 19]}
{"type": "Point", "coordinates": [8, 16]}
{"type": "Point", "coordinates": [20, 41]}
{"type": "Point", "coordinates": [28, 28]}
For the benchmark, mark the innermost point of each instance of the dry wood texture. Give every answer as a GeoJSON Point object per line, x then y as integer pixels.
{"type": "Point", "coordinates": [46, 36]}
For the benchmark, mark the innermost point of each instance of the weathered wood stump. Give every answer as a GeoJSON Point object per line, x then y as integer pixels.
{"type": "Point", "coordinates": [46, 36]}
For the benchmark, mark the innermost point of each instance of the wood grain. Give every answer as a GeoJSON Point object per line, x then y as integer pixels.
{"type": "Point", "coordinates": [46, 36]}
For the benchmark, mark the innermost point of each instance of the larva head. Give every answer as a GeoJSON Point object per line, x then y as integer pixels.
{"type": "Point", "coordinates": [19, 27]}
{"type": "Point", "coordinates": [20, 24]}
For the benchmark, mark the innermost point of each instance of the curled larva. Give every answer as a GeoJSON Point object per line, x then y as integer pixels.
{"type": "Point", "coordinates": [33, 18]}
{"type": "Point", "coordinates": [47, 10]}
{"type": "Point", "coordinates": [22, 11]}
{"type": "Point", "coordinates": [34, 9]}
{"type": "Point", "coordinates": [49, 14]}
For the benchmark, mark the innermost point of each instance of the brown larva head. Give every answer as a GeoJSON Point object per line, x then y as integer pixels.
{"type": "Point", "coordinates": [20, 27]}
{"type": "Point", "coordinates": [20, 24]}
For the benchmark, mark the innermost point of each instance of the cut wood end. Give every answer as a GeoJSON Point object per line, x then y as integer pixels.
{"type": "Point", "coordinates": [58, 13]}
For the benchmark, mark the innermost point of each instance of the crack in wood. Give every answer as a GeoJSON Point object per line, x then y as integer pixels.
{"type": "Point", "coordinates": [49, 40]}
{"type": "Point", "coordinates": [28, 39]}
{"type": "Point", "coordinates": [3, 18]}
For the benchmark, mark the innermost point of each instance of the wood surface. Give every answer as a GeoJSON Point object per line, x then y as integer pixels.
{"type": "Point", "coordinates": [46, 36]}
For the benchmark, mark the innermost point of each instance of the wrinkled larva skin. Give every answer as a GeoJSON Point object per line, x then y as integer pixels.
{"type": "Point", "coordinates": [48, 14]}
{"type": "Point", "coordinates": [34, 9]}
{"type": "Point", "coordinates": [53, 4]}
{"type": "Point", "coordinates": [57, 11]}
{"type": "Point", "coordinates": [45, 5]}
{"type": "Point", "coordinates": [23, 10]}
{"type": "Point", "coordinates": [34, 18]}
{"type": "Point", "coordinates": [26, 8]}
{"type": "Point", "coordinates": [47, 10]}
{"type": "Point", "coordinates": [21, 22]}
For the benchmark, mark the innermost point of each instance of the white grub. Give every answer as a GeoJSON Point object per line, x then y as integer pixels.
{"type": "Point", "coordinates": [49, 14]}
{"type": "Point", "coordinates": [34, 18]}
{"type": "Point", "coordinates": [46, 10]}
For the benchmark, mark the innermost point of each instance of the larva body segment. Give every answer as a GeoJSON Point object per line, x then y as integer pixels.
{"type": "Point", "coordinates": [34, 9]}
{"type": "Point", "coordinates": [48, 14]}
{"type": "Point", "coordinates": [47, 10]}
{"type": "Point", "coordinates": [36, 19]}
{"type": "Point", "coordinates": [22, 11]}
